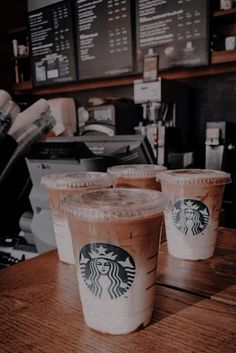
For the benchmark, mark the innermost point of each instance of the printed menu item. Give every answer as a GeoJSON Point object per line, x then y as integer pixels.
{"type": "Point", "coordinates": [104, 38]}
{"type": "Point", "coordinates": [175, 30]}
{"type": "Point", "coordinates": [51, 44]}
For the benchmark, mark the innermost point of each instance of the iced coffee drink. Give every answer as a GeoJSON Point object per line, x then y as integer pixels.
{"type": "Point", "coordinates": [60, 186]}
{"type": "Point", "coordinates": [192, 217]}
{"type": "Point", "coordinates": [115, 234]}
{"type": "Point", "coordinates": [137, 176]}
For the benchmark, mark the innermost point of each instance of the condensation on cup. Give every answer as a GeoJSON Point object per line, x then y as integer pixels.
{"type": "Point", "coordinates": [60, 186]}
{"type": "Point", "coordinates": [137, 176]}
{"type": "Point", "coordinates": [192, 216]}
{"type": "Point", "coordinates": [115, 234]}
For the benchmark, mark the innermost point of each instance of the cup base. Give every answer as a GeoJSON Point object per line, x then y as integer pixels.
{"type": "Point", "coordinates": [191, 254]}
{"type": "Point", "coordinates": [121, 331]}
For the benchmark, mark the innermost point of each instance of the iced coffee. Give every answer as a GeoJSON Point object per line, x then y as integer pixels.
{"type": "Point", "coordinates": [115, 234]}
{"type": "Point", "coordinates": [60, 186]}
{"type": "Point", "coordinates": [192, 217]}
{"type": "Point", "coordinates": [137, 176]}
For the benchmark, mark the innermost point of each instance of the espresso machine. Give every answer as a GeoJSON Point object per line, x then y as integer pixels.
{"type": "Point", "coordinates": [220, 145]}
{"type": "Point", "coordinates": [165, 113]}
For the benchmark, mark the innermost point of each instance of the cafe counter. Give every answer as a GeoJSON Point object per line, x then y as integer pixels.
{"type": "Point", "coordinates": [195, 307]}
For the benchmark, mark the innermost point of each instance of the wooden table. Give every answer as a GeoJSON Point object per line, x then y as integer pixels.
{"type": "Point", "coordinates": [40, 312]}
{"type": "Point", "coordinates": [214, 278]}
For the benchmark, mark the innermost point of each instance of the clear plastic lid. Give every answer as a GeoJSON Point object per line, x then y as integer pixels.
{"type": "Point", "coordinates": [195, 176]}
{"type": "Point", "coordinates": [136, 170]}
{"type": "Point", "coordinates": [115, 204]}
{"type": "Point", "coordinates": [77, 180]}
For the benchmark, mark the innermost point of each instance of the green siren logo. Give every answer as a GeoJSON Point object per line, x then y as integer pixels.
{"type": "Point", "coordinates": [107, 270]}
{"type": "Point", "coordinates": [190, 216]}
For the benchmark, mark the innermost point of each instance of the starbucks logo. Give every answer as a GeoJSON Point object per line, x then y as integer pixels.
{"type": "Point", "coordinates": [190, 216]}
{"type": "Point", "coordinates": [107, 270]}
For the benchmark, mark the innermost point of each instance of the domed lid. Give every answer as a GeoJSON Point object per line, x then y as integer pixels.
{"type": "Point", "coordinates": [195, 176]}
{"type": "Point", "coordinates": [77, 180]}
{"type": "Point", "coordinates": [136, 170]}
{"type": "Point", "coordinates": [114, 204]}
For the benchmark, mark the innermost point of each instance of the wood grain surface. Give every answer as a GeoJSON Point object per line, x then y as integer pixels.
{"type": "Point", "coordinates": [214, 278]}
{"type": "Point", "coordinates": [40, 312]}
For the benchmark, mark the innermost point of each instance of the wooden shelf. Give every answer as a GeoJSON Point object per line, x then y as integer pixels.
{"type": "Point", "coordinates": [222, 63]}
{"type": "Point", "coordinates": [22, 87]}
{"type": "Point", "coordinates": [223, 13]}
{"type": "Point", "coordinates": [20, 57]}
{"type": "Point", "coordinates": [17, 30]}
{"type": "Point", "coordinates": [224, 56]}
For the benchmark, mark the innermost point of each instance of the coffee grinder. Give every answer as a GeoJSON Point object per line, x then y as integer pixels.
{"type": "Point", "coordinates": [220, 145]}
{"type": "Point", "coordinates": [165, 115]}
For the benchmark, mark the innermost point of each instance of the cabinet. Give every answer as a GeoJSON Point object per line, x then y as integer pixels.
{"type": "Point", "coordinates": [20, 56]}
{"type": "Point", "coordinates": [223, 24]}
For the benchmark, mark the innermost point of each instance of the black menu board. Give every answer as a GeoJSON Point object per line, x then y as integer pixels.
{"type": "Point", "coordinates": [175, 30]}
{"type": "Point", "coordinates": [104, 38]}
{"type": "Point", "coordinates": [51, 44]}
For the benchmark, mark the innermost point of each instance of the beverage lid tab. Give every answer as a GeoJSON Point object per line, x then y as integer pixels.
{"type": "Point", "coordinates": [115, 204]}
{"type": "Point", "coordinates": [136, 170]}
{"type": "Point", "coordinates": [195, 176]}
{"type": "Point", "coordinates": [77, 180]}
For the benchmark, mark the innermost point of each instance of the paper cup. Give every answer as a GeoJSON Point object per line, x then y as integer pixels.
{"type": "Point", "coordinates": [191, 219]}
{"type": "Point", "coordinates": [60, 186]}
{"type": "Point", "coordinates": [115, 234]}
{"type": "Point", "coordinates": [137, 176]}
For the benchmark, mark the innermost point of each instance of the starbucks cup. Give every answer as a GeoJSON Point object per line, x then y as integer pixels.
{"type": "Point", "coordinates": [115, 234]}
{"type": "Point", "coordinates": [60, 186]}
{"type": "Point", "coordinates": [137, 176]}
{"type": "Point", "coordinates": [192, 217]}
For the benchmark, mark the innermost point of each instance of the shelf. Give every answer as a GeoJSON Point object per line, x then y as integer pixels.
{"type": "Point", "coordinates": [22, 87]}
{"type": "Point", "coordinates": [223, 13]}
{"type": "Point", "coordinates": [20, 57]}
{"type": "Point", "coordinates": [17, 30]}
{"type": "Point", "coordinates": [224, 56]}
{"type": "Point", "coordinates": [224, 16]}
{"type": "Point", "coordinates": [76, 87]}
{"type": "Point", "coordinates": [222, 64]}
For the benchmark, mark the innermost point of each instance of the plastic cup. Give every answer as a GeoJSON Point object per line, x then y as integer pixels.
{"type": "Point", "coordinates": [115, 234]}
{"type": "Point", "coordinates": [192, 217]}
{"type": "Point", "coordinates": [60, 186]}
{"type": "Point", "coordinates": [137, 176]}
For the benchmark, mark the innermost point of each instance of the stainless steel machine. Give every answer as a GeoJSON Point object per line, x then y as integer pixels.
{"type": "Point", "coordinates": [165, 113]}
{"type": "Point", "coordinates": [220, 145]}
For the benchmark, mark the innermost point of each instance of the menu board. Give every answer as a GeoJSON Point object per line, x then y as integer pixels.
{"type": "Point", "coordinates": [175, 30]}
{"type": "Point", "coordinates": [52, 45]}
{"type": "Point", "coordinates": [104, 38]}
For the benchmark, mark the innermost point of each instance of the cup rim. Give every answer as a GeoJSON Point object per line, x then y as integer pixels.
{"type": "Point", "coordinates": [115, 204]}
{"type": "Point", "coordinates": [195, 176]}
{"type": "Point", "coordinates": [63, 181]}
{"type": "Point", "coordinates": [136, 170]}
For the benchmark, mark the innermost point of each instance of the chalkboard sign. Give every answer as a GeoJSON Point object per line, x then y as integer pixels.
{"type": "Point", "coordinates": [175, 30]}
{"type": "Point", "coordinates": [104, 38]}
{"type": "Point", "coordinates": [51, 44]}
